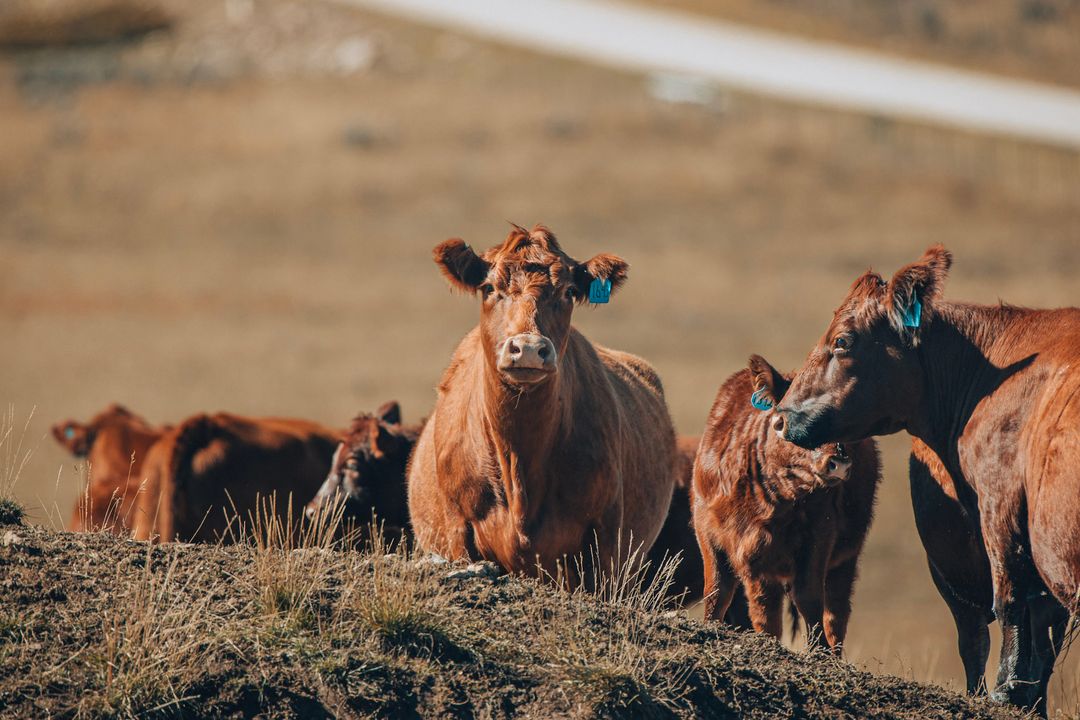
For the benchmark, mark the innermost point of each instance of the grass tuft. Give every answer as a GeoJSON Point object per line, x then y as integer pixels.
{"type": "Point", "coordinates": [157, 636]}
{"type": "Point", "coordinates": [14, 457]}
{"type": "Point", "coordinates": [11, 512]}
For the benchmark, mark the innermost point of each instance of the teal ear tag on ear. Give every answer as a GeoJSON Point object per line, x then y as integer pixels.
{"type": "Point", "coordinates": [599, 291]}
{"type": "Point", "coordinates": [69, 433]}
{"type": "Point", "coordinates": [913, 315]}
{"type": "Point", "coordinates": [759, 401]}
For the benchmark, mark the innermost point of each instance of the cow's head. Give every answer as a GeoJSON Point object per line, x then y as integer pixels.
{"type": "Point", "coordinates": [79, 437]}
{"type": "Point", "coordinates": [75, 436]}
{"type": "Point", "coordinates": [864, 377]}
{"type": "Point", "coordinates": [366, 474]}
{"type": "Point", "coordinates": [529, 288]}
{"type": "Point", "coordinates": [830, 464]}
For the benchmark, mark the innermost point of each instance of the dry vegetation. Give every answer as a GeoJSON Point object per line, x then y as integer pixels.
{"type": "Point", "coordinates": [95, 626]}
{"type": "Point", "coordinates": [227, 217]}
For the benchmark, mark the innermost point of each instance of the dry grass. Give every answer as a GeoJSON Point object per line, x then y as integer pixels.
{"type": "Point", "coordinates": [613, 667]}
{"type": "Point", "coordinates": [158, 632]}
{"type": "Point", "coordinates": [15, 455]}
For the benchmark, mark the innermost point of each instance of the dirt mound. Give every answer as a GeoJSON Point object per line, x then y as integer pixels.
{"type": "Point", "coordinates": [93, 626]}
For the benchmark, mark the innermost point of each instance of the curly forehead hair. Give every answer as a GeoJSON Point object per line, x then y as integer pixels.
{"type": "Point", "coordinates": [865, 301]}
{"type": "Point", "coordinates": [535, 251]}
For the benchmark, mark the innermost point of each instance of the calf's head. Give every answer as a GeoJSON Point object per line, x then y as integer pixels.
{"type": "Point", "coordinates": [529, 288]}
{"type": "Point", "coordinates": [367, 471]}
{"type": "Point", "coordinates": [864, 377]}
{"type": "Point", "coordinates": [79, 437]}
{"type": "Point", "coordinates": [830, 464]}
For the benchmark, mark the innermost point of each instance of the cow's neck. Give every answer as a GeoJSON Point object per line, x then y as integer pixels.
{"type": "Point", "coordinates": [523, 429]}
{"type": "Point", "coordinates": [957, 357]}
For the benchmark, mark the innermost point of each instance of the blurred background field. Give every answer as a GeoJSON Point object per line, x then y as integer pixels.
{"type": "Point", "coordinates": [236, 211]}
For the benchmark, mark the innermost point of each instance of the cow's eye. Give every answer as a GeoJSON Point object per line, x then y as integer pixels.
{"type": "Point", "coordinates": [571, 294]}
{"type": "Point", "coordinates": [486, 290]}
{"type": "Point", "coordinates": [843, 343]}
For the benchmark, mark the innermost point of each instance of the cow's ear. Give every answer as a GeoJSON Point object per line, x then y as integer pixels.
{"type": "Point", "coordinates": [913, 290]}
{"type": "Point", "coordinates": [389, 413]}
{"type": "Point", "coordinates": [768, 383]}
{"type": "Point", "coordinates": [607, 271]}
{"type": "Point", "coordinates": [462, 267]}
{"type": "Point", "coordinates": [74, 436]}
{"type": "Point", "coordinates": [383, 441]}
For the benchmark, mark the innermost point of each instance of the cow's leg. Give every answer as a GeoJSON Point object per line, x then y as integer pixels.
{"type": "Point", "coordinates": [1012, 572]}
{"type": "Point", "coordinates": [972, 634]}
{"type": "Point", "coordinates": [1049, 621]}
{"type": "Point", "coordinates": [720, 581]}
{"type": "Point", "coordinates": [839, 583]}
{"type": "Point", "coordinates": [766, 605]}
{"type": "Point", "coordinates": [808, 586]}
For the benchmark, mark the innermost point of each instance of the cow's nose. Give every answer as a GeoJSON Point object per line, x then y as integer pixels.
{"type": "Point", "coordinates": [837, 468]}
{"type": "Point", "coordinates": [527, 352]}
{"type": "Point", "coordinates": [779, 424]}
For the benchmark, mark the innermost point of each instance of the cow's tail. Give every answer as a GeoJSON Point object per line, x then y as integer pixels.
{"type": "Point", "coordinates": [191, 438]}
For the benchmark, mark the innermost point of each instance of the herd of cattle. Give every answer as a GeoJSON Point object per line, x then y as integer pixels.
{"type": "Point", "coordinates": [542, 446]}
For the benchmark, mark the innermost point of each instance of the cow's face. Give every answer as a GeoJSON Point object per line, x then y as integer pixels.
{"type": "Point", "coordinates": [75, 436]}
{"type": "Point", "coordinates": [79, 437]}
{"type": "Point", "coordinates": [362, 466]}
{"type": "Point", "coordinates": [529, 288]}
{"type": "Point", "coordinates": [864, 377]}
{"type": "Point", "coordinates": [829, 464]}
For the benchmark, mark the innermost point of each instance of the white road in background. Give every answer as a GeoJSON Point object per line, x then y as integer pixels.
{"type": "Point", "coordinates": [643, 39]}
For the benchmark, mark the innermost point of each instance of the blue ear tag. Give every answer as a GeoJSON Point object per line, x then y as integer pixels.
{"type": "Point", "coordinates": [759, 401]}
{"type": "Point", "coordinates": [599, 291]}
{"type": "Point", "coordinates": [69, 433]}
{"type": "Point", "coordinates": [913, 314]}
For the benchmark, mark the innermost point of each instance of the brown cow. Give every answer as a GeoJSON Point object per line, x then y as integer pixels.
{"type": "Point", "coordinates": [994, 392]}
{"type": "Point", "coordinates": [772, 516]}
{"type": "Point", "coordinates": [541, 445]}
{"type": "Point", "coordinates": [956, 557]}
{"type": "Point", "coordinates": [212, 469]}
{"type": "Point", "coordinates": [115, 443]}
{"type": "Point", "coordinates": [367, 474]}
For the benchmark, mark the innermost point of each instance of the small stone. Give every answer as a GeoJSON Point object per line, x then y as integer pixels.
{"type": "Point", "coordinates": [482, 569]}
{"type": "Point", "coordinates": [11, 538]}
{"type": "Point", "coordinates": [432, 559]}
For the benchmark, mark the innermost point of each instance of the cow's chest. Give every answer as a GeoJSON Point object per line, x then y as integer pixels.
{"type": "Point", "coordinates": [771, 546]}
{"type": "Point", "coordinates": [541, 528]}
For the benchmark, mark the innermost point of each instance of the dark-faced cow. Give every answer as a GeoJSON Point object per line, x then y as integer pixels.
{"type": "Point", "coordinates": [367, 476]}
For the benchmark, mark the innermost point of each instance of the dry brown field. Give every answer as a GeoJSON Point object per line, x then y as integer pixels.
{"type": "Point", "coordinates": [251, 230]}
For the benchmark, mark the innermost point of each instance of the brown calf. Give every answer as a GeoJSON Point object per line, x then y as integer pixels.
{"type": "Point", "coordinates": [115, 443]}
{"type": "Point", "coordinates": [367, 474]}
{"type": "Point", "coordinates": [772, 516]}
{"type": "Point", "coordinates": [994, 392]}
{"type": "Point", "coordinates": [212, 471]}
{"type": "Point", "coordinates": [541, 445]}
